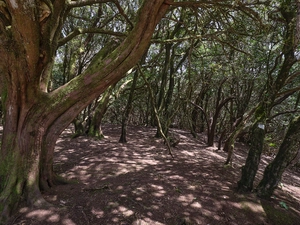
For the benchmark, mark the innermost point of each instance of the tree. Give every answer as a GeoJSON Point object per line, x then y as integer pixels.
{"type": "Point", "coordinates": [288, 150]}
{"type": "Point", "coordinates": [273, 87]}
{"type": "Point", "coordinates": [35, 115]}
{"type": "Point", "coordinates": [128, 108]}
{"type": "Point", "coordinates": [34, 118]}
{"type": "Point", "coordinates": [94, 128]}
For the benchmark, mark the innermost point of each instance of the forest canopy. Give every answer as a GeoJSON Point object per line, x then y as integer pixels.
{"type": "Point", "coordinates": [226, 68]}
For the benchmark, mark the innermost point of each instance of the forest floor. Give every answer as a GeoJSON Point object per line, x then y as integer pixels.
{"type": "Point", "coordinates": [139, 183]}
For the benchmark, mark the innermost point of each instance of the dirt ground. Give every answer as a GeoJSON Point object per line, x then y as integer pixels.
{"type": "Point", "coordinates": [139, 183]}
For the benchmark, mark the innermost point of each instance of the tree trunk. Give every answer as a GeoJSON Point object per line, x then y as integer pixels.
{"type": "Point", "coordinates": [195, 112]}
{"type": "Point", "coordinates": [219, 105]}
{"type": "Point", "coordinates": [33, 118]}
{"type": "Point", "coordinates": [128, 109]}
{"type": "Point", "coordinates": [250, 168]}
{"type": "Point", "coordinates": [287, 152]}
{"type": "Point", "coordinates": [94, 130]}
{"type": "Point", "coordinates": [25, 131]}
{"type": "Point", "coordinates": [47, 177]}
{"type": "Point", "coordinates": [257, 135]}
{"type": "Point", "coordinates": [78, 126]}
{"type": "Point", "coordinates": [239, 126]}
{"type": "Point", "coordinates": [229, 142]}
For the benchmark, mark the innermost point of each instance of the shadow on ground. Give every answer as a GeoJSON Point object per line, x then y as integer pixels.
{"type": "Point", "coordinates": [139, 183]}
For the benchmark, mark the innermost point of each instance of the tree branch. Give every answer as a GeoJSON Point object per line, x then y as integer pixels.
{"type": "Point", "coordinates": [282, 113]}
{"type": "Point", "coordinates": [79, 31]}
{"type": "Point", "coordinates": [202, 110]}
{"type": "Point", "coordinates": [121, 11]}
{"type": "Point", "coordinates": [80, 3]}
{"type": "Point", "coordinates": [156, 113]}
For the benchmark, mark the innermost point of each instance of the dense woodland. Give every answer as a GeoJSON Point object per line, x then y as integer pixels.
{"type": "Point", "coordinates": [228, 69]}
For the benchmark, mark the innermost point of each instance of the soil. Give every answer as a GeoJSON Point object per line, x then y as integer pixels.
{"type": "Point", "coordinates": [139, 183]}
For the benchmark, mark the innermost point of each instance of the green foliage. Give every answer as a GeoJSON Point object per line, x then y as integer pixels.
{"type": "Point", "coordinates": [283, 205]}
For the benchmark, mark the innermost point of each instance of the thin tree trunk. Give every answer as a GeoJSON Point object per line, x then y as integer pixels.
{"type": "Point", "coordinates": [239, 127]}
{"type": "Point", "coordinates": [219, 105]}
{"type": "Point", "coordinates": [195, 112]}
{"type": "Point", "coordinates": [128, 108]}
{"type": "Point", "coordinates": [160, 129]}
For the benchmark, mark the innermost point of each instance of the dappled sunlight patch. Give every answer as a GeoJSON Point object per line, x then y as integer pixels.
{"type": "Point", "coordinates": [176, 177]}
{"type": "Point", "coordinates": [138, 199]}
{"type": "Point", "coordinates": [53, 218]}
{"type": "Point", "coordinates": [155, 207]}
{"type": "Point", "coordinates": [207, 212]}
{"type": "Point", "coordinates": [42, 215]}
{"type": "Point", "coordinates": [148, 161]}
{"type": "Point", "coordinates": [292, 189]}
{"type": "Point", "coordinates": [216, 155]}
{"type": "Point", "coordinates": [253, 206]}
{"type": "Point", "coordinates": [120, 188]}
{"type": "Point", "coordinates": [159, 193]}
{"type": "Point", "coordinates": [157, 187]}
{"type": "Point", "coordinates": [98, 213]}
{"type": "Point", "coordinates": [64, 158]}
{"type": "Point", "coordinates": [125, 211]}
{"type": "Point", "coordinates": [146, 221]}
{"type": "Point", "coordinates": [191, 187]}
{"type": "Point", "coordinates": [189, 153]}
{"type": "Point", "coordinates": [186, 199]}
{"type": "Point", "coordinates": [68, 222]}
{"type": "Point", "coordinates": [196, 205]}
{"type": "Point", "coordinates": [139, 183]}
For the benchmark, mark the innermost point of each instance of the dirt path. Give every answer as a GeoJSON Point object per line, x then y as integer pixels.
{"type": "Point", "coordinates": [138, 183]}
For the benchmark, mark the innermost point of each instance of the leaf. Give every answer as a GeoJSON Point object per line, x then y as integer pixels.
{"type": "Point", "coordinates": [283, 205]}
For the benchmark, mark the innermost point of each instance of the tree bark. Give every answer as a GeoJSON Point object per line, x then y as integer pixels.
{"type": "Point", "coordinates": [128, 109]}
{"type": "Point", "coordinates": [219, 105]}
{"type": "Point", "coordinates": [273, 87]}
{"type": "Point", "coordinates": [250, 168]}
{"type": "Point", "coordinates": [33, 118]}
{"type": "Point", "coordinates": [238, 128]}
{"type": "Point", "coordinates": [195, 112]}
{"type": "Point", "coordinates": [288, 150]}
{"type": "Point", "coordinates": [94, 130]}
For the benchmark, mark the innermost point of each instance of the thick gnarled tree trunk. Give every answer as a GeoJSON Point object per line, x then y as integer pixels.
{"type": "Point", "coordinates": [33, 118]}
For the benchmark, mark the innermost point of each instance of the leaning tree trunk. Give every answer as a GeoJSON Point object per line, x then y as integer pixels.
{"type": "Point", "coordinates": [239, 127]}
{"type": "Point", "coordinates": [229, 142]}
{"type": "Point", "coordinates": [288, 12]}
{"type": "Point", "coordinates": [33, 118]}
{"type": "Point", "coordinates": [287, 152]}
{"type": "Point", "coordinates": [249, 170]}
